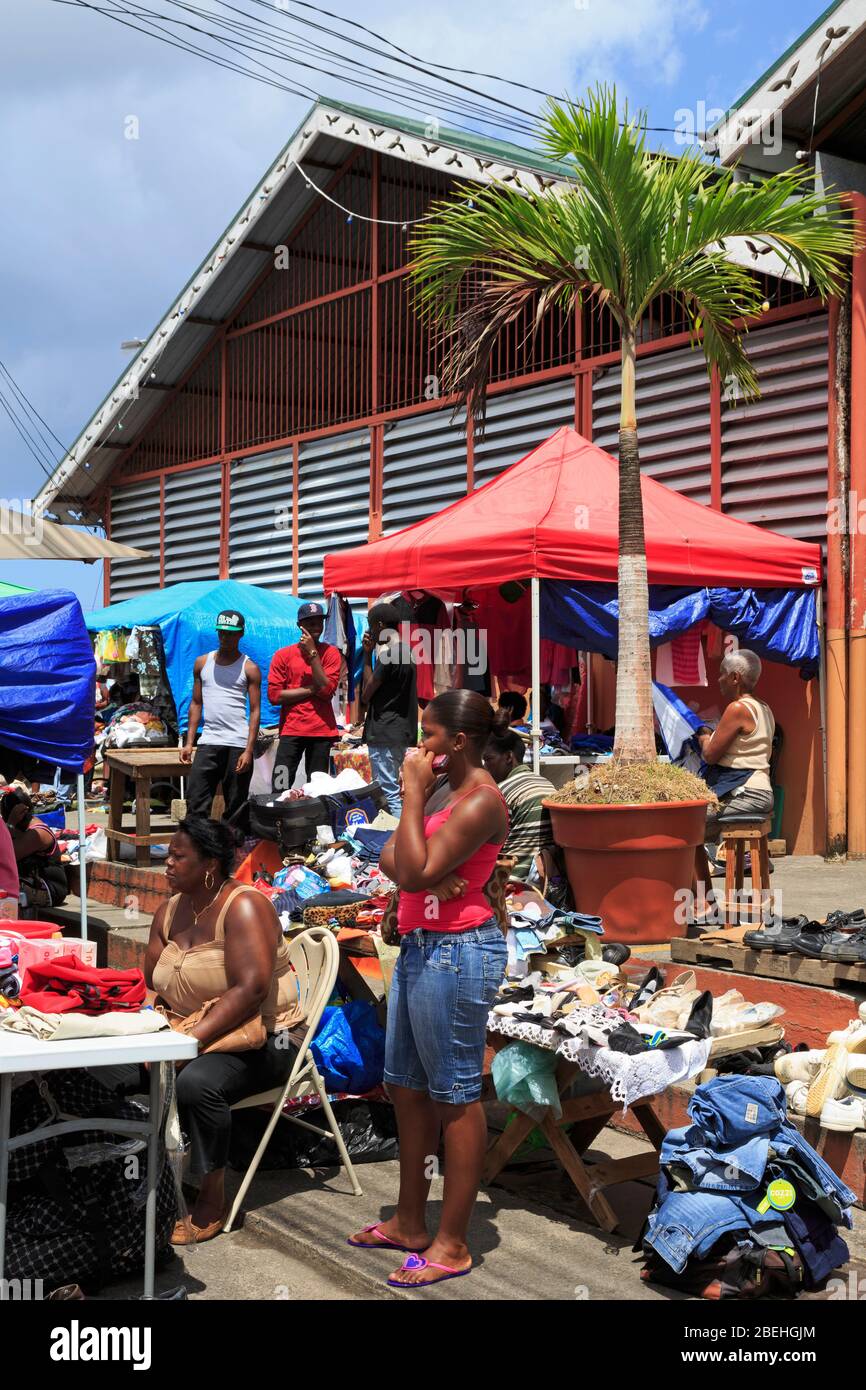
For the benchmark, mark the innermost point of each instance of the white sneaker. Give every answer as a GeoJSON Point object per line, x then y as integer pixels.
{"type": "Point", "coordinates": [831, 1081]}
{"type": "Point", "coordinates": [798, 1066]}
{"type": "Point", "coordinates": [844, 1116]}
{"type": "Point", "coordinates": [797, 1093]}
{"type": "Point", "coordinates": [853, 1038]}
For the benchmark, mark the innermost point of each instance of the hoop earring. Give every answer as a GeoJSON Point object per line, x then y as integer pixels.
{"type": "Point", "coordinates": [209, 875]}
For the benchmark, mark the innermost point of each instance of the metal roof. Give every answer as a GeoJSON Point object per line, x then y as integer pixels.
{"type": "Point", "coordinates": [832, 48]}
{"type": "Point", "coordinates": [231, 265]}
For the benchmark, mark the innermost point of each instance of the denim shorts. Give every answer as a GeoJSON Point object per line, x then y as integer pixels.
{"type": "Point", "coordinates": [443, 987]}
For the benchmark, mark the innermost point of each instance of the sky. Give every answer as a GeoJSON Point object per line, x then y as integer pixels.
{"type": "Point", "coordinates": [100, 231]}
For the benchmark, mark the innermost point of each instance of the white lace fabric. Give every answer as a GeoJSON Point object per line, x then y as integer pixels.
{"type": "Point", "coordinates": [631, 1078]}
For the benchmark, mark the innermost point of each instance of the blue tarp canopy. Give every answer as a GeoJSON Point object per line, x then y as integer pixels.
{"type": "Point", "coordinates": [186, 615]}
{"type": "Point", "coordinates": [778, 624]}
{"type": "Point", "coordinates": [47, 677]}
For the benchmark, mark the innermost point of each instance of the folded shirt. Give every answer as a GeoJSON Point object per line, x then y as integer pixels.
{"type": "Point", "coordinates": [51, 1027]}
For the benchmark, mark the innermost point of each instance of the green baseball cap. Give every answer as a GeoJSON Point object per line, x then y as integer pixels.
{"type": "Point", "coordinates": [230, 621]}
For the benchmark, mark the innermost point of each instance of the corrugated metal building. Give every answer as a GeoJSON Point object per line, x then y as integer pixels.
{"type": "Point", "coordinates": [287, 404]}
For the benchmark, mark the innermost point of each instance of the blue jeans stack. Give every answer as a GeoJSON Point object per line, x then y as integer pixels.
{"type": "Point", "coordinates": [741, 1181]}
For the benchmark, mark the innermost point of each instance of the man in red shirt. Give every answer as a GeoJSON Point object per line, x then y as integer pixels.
{"type": "Point", "coordinates": [302, 679]}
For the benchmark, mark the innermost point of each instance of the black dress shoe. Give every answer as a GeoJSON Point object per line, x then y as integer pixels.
{"type": "Point", "coordinates": [615, 953]}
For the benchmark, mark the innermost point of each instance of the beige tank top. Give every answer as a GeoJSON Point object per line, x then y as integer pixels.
{"type": "Point", "coordinates": [752, 750]}
{"type": "Point", "coordinates": [188, 979]}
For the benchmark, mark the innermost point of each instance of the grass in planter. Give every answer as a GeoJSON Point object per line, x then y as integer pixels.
{"type": "Point", "coordinates": [633, 784]}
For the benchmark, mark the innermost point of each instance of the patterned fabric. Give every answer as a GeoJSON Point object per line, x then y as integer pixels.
{"type": "Point", "coordinates": [76, 1203]}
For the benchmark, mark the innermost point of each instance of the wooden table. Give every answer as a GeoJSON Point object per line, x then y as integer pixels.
{"type": "Point", "coordinates": [587, 1115]}
{"type": "Point", "coordinates": [144, 766]}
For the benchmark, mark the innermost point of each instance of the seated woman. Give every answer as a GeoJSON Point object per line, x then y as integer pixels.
{"type": "Point", "coordinates": [219, 939]}
{"type": "Point", "coordinates": [739, 748]}
{"type": "Point", "coordinates": [530, 833]}
{"type": "Point", "coordinates": [37, 853]}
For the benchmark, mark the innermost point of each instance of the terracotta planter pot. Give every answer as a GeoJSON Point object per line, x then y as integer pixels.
{"type": "Point", "coordinates": [627, 863]}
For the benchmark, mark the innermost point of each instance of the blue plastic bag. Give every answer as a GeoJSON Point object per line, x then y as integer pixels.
{"type": "Point", "coordinates": [349, 1048]}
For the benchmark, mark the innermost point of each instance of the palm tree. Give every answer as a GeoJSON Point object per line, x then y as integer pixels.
{"type": "Point", "coordinates": [631, 227]}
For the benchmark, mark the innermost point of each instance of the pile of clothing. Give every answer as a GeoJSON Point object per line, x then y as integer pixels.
{"type": "Point", "coordinates": [99, 1002]}
{"type": "Point", "coordinates": [744, 1207]}
{"type": "Point", "coordinates": [339, 883]}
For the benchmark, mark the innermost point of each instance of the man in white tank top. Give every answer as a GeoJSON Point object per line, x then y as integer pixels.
{"type": "Point", "coordinates": [223, 682]}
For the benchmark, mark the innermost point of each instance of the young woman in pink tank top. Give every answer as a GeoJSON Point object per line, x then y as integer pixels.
{"type": "Point", "coordinates": [452, 961]}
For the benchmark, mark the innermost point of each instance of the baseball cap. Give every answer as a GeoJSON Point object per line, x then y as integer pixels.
{"type": "Point", "coordinates": [230, 621]}
{"type": "Point", "coordinates": [310, 610]}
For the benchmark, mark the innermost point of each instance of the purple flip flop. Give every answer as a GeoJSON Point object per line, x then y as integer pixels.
{"type": "Point", "coordinates": [415, 1261]}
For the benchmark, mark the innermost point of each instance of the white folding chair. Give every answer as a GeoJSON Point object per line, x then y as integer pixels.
{"type": "Point", "coordinates": [315, 956]}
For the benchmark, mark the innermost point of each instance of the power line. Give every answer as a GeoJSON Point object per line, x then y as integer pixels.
{"type": "Point", "coordinates": [406, 91]}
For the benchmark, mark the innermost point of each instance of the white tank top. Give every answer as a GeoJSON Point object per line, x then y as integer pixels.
{"type": "Point", "coordinates": [224, 697]}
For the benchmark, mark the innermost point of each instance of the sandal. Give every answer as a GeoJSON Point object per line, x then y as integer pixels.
{"type": "Point", "coordinates": [382, 1242]}
{"type": "Point", "coordinates": [416, 1261]}
{"type": "Point", "coordinates": [187, 1233]}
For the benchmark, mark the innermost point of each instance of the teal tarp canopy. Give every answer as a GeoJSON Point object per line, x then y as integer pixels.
{"type": "Point", "coordinates": [186, 614]}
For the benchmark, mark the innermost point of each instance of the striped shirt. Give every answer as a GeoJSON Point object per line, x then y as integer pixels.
{"type": "Point", "coordinates": [530, 827]}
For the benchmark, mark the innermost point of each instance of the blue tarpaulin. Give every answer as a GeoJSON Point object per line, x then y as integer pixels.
{"type": "Point", "coordinates": [779, 624]}
{"type": "Point", "coordinates": [47, 677]}
{"type": "Point", "coordinates": [186, 615]}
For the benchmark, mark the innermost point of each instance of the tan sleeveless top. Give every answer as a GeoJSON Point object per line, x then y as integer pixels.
{"type": "Point", "coordinates": [188, 979]}
{"type": "Point", "coordinates": [753, 749]}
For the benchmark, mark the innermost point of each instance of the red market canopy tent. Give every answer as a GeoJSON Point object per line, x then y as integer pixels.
{"type": "Point", "coordinates": [554, 515]}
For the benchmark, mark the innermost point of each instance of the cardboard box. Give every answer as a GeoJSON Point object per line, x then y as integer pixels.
{"type": "Point", "coordinates": [34, 952]}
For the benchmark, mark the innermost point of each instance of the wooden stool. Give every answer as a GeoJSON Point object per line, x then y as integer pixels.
{"type": "Point", "coordinates": [735, 836]}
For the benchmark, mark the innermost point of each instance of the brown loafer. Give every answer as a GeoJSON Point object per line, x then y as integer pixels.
{"type": "Point", "coordinates": [187, 1233]}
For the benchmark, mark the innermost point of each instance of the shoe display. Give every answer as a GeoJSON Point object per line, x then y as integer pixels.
{"type": "Point", "coordinates": [798, 1066]}
{"type": "Point", "coordinates": [844, 1115]}
{"type": "Point", "coordinates": [778, 936]}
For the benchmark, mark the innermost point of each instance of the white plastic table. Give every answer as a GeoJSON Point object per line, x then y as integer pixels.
{"type": "Point", "coordinates": [21, 1054]}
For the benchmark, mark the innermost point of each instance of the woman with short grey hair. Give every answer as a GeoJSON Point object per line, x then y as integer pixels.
{"type": "Point", "coordinates": [738, 749]}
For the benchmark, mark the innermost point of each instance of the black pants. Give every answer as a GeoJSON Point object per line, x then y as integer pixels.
{"type": "Point", "coordinates": [213, 764]}
{"type": "Point", "coordinates": [210, 1085]}
{"type": "Point", "coordinates": [316, 753]}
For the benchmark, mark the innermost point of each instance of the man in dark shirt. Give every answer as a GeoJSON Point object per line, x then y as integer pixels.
{"type": "Point", "coordinates": [389, 692]}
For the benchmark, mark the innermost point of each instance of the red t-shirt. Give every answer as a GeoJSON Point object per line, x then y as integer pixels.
{"type": "Point", "coordinates": [313, 718]}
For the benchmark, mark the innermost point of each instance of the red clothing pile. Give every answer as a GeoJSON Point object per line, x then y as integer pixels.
{"type": "Point", "coordinates": [312, 718]}
{"type": "Point", "coordinates": [65, 985]}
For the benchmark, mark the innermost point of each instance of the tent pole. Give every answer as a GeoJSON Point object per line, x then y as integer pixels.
{"type": "Point", "coordinates": [536, 674]}
{"type": "Point", "coordinates": [590, 713]}
{"type": "Point", "coordinates": [82, 865]}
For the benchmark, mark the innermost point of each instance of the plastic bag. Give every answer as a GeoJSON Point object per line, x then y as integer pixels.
{"type": "Point", "coordinates": [525, 1077]}
{"type": "Point", "coordinates": [369, 1131]}
{"type": "Point", "coordinates": [349, 1048]}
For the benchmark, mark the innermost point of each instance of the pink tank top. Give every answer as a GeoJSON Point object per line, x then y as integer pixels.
{"type": "Point", "coordinates": [422, 910]}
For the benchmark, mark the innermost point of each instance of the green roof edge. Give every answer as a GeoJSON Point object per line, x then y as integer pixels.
{"type": "Point", "coordinates": [777, 64]}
